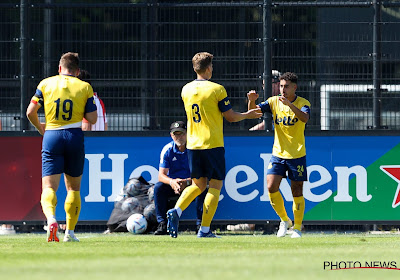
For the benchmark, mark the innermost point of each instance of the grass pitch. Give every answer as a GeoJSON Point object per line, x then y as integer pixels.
{"type": "Point", "coordinates": [252, 256]}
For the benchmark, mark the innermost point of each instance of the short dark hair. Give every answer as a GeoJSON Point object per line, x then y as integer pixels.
{"type": "Point", "coordinates": [201, 61]}
{"type": "Point", "coordinates": [289, 76]}
{"type": "Point", "coordinates": [84, 76]}
{"type": "Point", "coordinates": [70, 61]}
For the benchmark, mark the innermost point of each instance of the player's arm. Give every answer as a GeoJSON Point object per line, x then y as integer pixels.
{"type": "Point", "coordinates": [252, 97]}
{"type": "Point", "coordinates": [91, 111]}
{"type": "Point", "coordinates": [302, 114]}
{"type": "Point", "coordinates": [232, 116]}
{"type": "Point", "coordinates": [86, 126]}
{"type": "Point", "coordinates": [32, 115]}
{"type": "Point", "coordinates": [91, 117]}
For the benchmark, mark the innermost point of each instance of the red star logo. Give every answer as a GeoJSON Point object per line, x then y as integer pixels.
{"type": "Point", "coordinates": [393, 171]}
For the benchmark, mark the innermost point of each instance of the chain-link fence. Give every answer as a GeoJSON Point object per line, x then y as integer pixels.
{"type": "Point", "coordinates": [345, 53]}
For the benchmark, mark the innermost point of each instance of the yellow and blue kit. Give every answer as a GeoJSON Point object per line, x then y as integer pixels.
{"type": "Point", "coordinates": [289, 140]}
{"type": "Point", "coordinates": [205, 102]}
{"type": "Point", "coordinates": [66, 99]}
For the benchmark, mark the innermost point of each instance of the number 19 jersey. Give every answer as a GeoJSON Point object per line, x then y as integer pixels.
{"type": "Point", "coordinates": [65, 99]}
{"type": "Point", "coordinates": [205, 102]}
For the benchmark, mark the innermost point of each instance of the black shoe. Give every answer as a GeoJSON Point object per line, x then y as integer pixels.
{"type": "Point", "coordinates": [161, 229]}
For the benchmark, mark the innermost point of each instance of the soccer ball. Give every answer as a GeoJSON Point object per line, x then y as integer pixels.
{"type": "Point", "coordinates": [131, 204]}
{"type": "Point", "coordinates": [136, 224]}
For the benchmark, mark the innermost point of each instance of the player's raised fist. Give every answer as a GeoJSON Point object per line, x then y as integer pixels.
{"type": "Point", "coordinates": [252, 95]}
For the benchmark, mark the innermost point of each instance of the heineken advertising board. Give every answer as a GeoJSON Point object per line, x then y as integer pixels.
{"type": "Point", "coordinates": [351, 178]}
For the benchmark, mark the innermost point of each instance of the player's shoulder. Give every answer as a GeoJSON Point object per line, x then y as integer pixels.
{"type": "Point", "coordinates": [272, 99]}
{"type": "Point", "coordinates": [216, 85]}
{"type": "Point", "coordinates": [48, 80]}
{"type": "Point", "coordinates": [302, 101]}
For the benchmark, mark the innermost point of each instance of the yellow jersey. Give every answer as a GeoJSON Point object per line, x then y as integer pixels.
{"type": "Point", "coordinates": [205, 102]}
{"type": "Point", "coordinates": [66, 99]}
{"type": "Point", "coordinates": [289, 141]}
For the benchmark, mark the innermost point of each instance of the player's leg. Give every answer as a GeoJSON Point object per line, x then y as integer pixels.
{"type": "Point", "coordinates": [210, 207]}
{"type": "Point", "coordinates": [74, 158]}
{"type": "Point", "coordinates": [297, 175]}
{"type": "Point", "coordinates": [276, 171]}
{"type": "Point", "coordinates": [298, 207]}
{"type": "Point", "coordinates": [275, 197]}
{"type": "Point", "coordinates": [186, 197]}
{"type": "Point", "coordinates": [197, 168]}
{"type": "Point", "coordinates": [52, 168]}
{"type": "Point", "coordinates": [199, 208]}
{"type": "Point", "coordinates": [190, 193]}
{"type": "Point", "coordinates": [215, 161]}
{"type": "Point", "coordinates": [278, 204]}
{"type": "Point", "coordinates": [48, 201]}
{"type": "Point", "coordinates": [72, 206]}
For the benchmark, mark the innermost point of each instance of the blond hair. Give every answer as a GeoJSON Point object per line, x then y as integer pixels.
{"type": "Point", "coordinates": [70, 61]}
{"type": "Point", "coordinates": [201, 61]}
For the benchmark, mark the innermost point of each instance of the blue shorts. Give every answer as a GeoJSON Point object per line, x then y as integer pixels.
{"type": "Point", "coordinates": [208, 163]}
{"type": "Point", "coordinates": [63, 151]}
{"type": "Point", "coordinates": [296, 168]}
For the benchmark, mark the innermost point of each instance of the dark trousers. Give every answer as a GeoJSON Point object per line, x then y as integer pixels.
{"type": "Point", "coordinates": [164, 192]}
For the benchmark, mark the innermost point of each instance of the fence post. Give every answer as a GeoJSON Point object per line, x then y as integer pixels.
{"type": "Point", "coordinates": [24, 60]}
{"type": "Point", "coordinates": [48, 37]}
{"type": "Point", "coordinates": [267, 75]}
{"type": "Point", "coordinates": [376, 58]}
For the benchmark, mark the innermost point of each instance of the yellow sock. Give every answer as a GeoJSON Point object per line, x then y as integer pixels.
{"type": "Point", "coordinates": [298, 211]}
{"type": "Point", "coordinates": [210, 206]}
{"type": "Point", "coordinates": [187, 196]}
{"type": "Point", "coordinates": [72, 208]}
{"type": "Point", "coordinates": [277, 203]}
{"type": "Point", "coordinates": [49, 202]}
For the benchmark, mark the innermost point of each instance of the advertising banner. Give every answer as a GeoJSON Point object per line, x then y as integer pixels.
{"type": "Point", "coordinates": [351, 178]}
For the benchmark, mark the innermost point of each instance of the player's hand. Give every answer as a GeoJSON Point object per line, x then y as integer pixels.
{"type": "Point", "coordinates": [42, 128]}
{"type": "Point", "coordinates": [254, 113]}
{"type": "Point", "coordinates": [252, 95]}
{"type": "Point", "coordinates": [284, 100]}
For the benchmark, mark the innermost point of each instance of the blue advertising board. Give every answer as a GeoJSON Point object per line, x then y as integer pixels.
{"type": "Point", "coordinates": [337, 169]}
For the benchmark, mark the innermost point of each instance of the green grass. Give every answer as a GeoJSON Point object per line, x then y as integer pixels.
{"type": "Point", "coordinates": [127, 256]}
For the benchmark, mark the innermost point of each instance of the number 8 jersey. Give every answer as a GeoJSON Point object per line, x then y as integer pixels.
{"type": "Point", "coordinates": [66, 99]}
{"type": "Point", "coordinates": [205, 102]}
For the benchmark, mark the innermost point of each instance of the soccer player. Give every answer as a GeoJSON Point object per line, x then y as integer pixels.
{"type": "Point", "coordinates": [290, 114]}
{"type": "Point", "coordinates": [66, 100]}
{"type": "Point", "coordinates": [206, 104]}
{"type": "Point", "coordinates": [102, 123]}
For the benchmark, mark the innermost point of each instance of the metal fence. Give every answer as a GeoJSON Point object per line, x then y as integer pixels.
{"type": "Point", "coordinates": [346, 54]}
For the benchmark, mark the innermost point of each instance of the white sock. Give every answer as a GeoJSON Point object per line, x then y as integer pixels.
{"type": "Point", "coordinates": [204, 229]}
{"type": "Point", "coordinates": [179, 211]}
{"type": "Point", "coordinates": [51, 220]}
{"type": "Point", "coordinates": [70, 232]}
